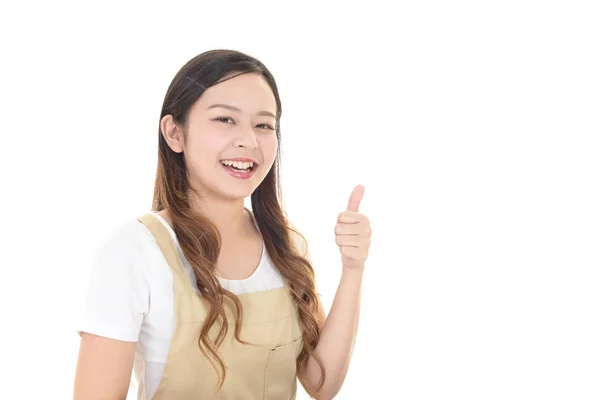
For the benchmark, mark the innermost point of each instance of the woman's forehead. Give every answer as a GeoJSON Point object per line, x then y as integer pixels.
{"type": "Point", "coordinates": [247, 93]}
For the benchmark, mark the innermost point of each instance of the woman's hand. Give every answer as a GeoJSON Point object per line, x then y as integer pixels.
{"type": "Point", "coordinates": [353, 232]}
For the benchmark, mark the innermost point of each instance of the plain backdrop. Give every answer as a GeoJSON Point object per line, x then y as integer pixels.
{"type": "Point", "coordinates": [474, 127]}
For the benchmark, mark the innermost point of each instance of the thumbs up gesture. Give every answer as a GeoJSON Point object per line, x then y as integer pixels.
{"type": "Point", "coordinates": [353, 232]}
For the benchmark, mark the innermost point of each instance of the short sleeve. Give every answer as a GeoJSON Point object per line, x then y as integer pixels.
{"type": "Point", "coordinates": [304, 251]}
{"type": "Point", "coordinates": [117, 297]}
{"type": "Point", "coordinates": [301, 245]}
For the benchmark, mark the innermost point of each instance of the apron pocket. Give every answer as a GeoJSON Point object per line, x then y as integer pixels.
{"type": "Point", "coordinates": [280, 374]}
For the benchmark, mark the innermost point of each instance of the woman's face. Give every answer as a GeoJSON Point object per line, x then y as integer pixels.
{"type": "Point", "coordinates": [232, 119]}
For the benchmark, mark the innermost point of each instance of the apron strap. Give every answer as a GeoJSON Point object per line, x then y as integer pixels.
{"type": "Point", "coordinates": [167, 246]}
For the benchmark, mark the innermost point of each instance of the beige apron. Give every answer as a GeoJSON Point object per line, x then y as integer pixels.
{"type": "Point", "coordinates": [270, 320]}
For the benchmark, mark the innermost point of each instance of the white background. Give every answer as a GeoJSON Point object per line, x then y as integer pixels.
{"type": "Point", "coordinates": [474, 127]}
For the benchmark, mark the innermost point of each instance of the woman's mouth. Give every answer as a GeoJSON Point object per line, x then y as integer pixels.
{"type": "Point", "coordinates": [239, 169]}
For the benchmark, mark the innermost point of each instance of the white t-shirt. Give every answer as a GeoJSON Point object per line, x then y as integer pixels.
{"type": "Point", "coordinates": [130, 296]}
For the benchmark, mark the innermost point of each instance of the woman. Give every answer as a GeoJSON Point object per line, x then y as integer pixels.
{"type": "Point", "coordinates": [203, 298]}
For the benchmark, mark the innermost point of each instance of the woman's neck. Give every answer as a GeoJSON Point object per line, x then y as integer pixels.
{"type": "Point", "coordinates": [231, 219]}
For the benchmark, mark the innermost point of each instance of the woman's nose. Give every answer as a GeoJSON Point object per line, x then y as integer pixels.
{"type": "Point", "coordinates": [246, 138]}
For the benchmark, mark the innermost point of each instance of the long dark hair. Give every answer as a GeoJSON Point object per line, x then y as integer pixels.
{"type": "Point", "coordinates": [199, 237]}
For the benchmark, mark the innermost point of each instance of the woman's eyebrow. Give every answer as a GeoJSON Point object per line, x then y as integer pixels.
{"type": "Point", "coordinates": [232, 108]}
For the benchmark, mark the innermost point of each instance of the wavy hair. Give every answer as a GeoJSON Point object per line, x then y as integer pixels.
{"type": "Point", "coordinates": [198, 236]}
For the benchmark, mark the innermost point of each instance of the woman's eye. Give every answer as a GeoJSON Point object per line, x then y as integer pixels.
{"type": "Point", "coordinates": [225, 119]}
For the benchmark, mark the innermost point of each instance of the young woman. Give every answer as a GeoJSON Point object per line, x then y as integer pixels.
{"type": "Point", "coordinates": [203, 298]}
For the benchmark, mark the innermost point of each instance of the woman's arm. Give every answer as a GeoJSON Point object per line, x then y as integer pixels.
{"type": "Point", "coordinates": [336, 342]}
{"type": "Point", "coordinates": [116, 301]}
{"type": "Point", "coordinates": [103, 368]}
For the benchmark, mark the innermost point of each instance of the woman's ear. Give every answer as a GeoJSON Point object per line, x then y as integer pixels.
{"type": "Point", "coordinates": [172, 133]}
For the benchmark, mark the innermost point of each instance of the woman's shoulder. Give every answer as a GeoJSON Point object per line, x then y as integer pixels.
{"type": "Point", "coordinates": [299, 241]}
{"type": "Point", "coordinates": [128, 238]}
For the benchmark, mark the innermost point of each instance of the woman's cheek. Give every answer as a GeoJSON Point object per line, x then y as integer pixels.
{"type": "Point", "coordinates": [269, 147]}
{"type": "Point", "coordinates": [214, 141]}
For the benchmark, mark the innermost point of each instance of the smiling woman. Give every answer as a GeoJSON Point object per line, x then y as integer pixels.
{"type": "Point", "coordinates": [231, 120]}
{"type": "Point", "coordinates": [202, 297]}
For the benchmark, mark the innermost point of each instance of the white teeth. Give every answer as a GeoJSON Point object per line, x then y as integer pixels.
{"type": "Point", "coordinates": [238, 164]}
